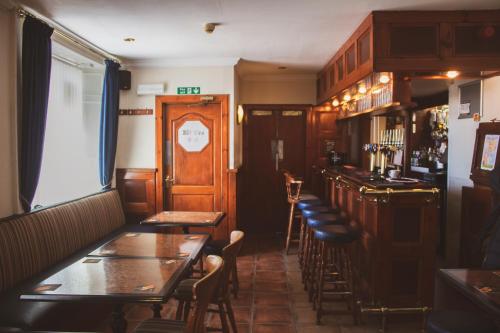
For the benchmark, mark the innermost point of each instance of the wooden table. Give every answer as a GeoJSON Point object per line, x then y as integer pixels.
{"type": "Point", "coordinates": [481, 287]}
{"type": "Point", "coordinates": [153, 245]}
{"type": "Point", "coordinates": [112, 279]}
{"type": "Point", "coordinates": [185, 219]}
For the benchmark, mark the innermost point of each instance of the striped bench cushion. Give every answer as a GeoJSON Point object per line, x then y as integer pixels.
{"type": "Point", "coordinates": [31, 243]}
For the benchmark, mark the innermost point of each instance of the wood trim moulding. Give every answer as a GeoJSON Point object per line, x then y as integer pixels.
{"type": "Point", "coordinates": [135, 112]}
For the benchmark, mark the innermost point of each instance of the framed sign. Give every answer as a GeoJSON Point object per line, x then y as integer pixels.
{"type": "Point", "coordinates": [486, 155]}
{"type": "Point", "coordinates": [470, 99]}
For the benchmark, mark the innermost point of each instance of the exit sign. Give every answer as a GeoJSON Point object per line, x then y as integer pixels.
{"type": "Point", "coordinates": [188, 90]}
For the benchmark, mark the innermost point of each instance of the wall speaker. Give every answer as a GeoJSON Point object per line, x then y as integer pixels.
{"type": "Point", "coordinates": [124, 80]}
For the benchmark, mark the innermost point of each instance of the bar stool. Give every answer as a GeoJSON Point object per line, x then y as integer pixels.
{"type": "Point", "coordinates": [451, 321]}
{"type": "Point", "coordinates": [313, 222]}
{"type": "Point", "coordinates": [305, 201]}
{"type": "Point", "coordinates": [293, 187]}
{"type": "Point", "coordinates": [308, 212]}
{"type": "Point", "coordinates": [334, 266]}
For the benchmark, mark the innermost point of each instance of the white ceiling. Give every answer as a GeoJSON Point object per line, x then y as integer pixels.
{"type": "Point", "coordinates": [299, 34]}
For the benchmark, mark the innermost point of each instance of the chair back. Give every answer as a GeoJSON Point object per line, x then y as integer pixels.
{"type": "Point", "coordinates": [293, 187]}
{"type": "Point", "coordinates": [203, 291]}
{"type": "Point", "coordinates": [230, 253]}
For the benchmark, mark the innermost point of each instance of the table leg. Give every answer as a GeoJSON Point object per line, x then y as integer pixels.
{"type": "Point", "coordinates": [118, 322]}
{"type": "Point", "coordinates": [156, 310]}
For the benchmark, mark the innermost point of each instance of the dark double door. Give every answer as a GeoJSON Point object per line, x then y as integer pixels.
{"type": "Point", "coordinates": [274, 140]}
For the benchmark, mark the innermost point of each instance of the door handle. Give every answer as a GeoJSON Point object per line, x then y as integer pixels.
{"type": "Point", "coordinates": [169, 181]}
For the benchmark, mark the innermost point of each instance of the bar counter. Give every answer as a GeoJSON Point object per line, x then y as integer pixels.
{"type": "Point", "coordinates": [394, 261]}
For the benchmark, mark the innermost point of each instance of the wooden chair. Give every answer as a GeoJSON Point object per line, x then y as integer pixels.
{"type": "Point", "coordinates": [202, 291]}
{"type": "Point", "coordinates": [293, 188]}
{"type": "Point", "coordinates": [222, 296]}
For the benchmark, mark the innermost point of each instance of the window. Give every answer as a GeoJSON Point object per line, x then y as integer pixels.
{"type": "Point", "coordinates": [70, 153]}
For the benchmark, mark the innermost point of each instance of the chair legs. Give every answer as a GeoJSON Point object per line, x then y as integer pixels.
{"type": "Point", "coordinates": [290, 226]}
{"type": "Point", "coordinates": [234, 281]}
{"type": "Point", "coordinates": [223, 319]}
{"type": "Point", "coordinates": [230, 314]}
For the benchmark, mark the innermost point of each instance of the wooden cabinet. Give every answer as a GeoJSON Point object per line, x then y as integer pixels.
{"type": "Point", "coordinates": [414, 41]}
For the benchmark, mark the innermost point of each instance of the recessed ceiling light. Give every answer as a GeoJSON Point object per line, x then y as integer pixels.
{"type": "Point", "coordinates": [282, 67]}
{"type": "Point", "coordinates": [129, 39]}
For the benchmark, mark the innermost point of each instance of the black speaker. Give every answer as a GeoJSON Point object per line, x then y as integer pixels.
{"type": "Point", "coordinates": [124, 80]}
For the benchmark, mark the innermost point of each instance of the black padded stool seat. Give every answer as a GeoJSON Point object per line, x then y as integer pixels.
{"type": "Point", "coordinates": [325, 219]}
{"type": "Point", "coordinates": [334, 233]}
{"type": "Point", "coordinates": [302, 204]}
{"type": "Point", "coordinates": [315, 210]}
{"type": "Point", "coordinates": [450, 321]}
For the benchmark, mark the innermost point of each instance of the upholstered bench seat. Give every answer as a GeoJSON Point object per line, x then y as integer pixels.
{"type": "Point", "coordinates": [36, 245]}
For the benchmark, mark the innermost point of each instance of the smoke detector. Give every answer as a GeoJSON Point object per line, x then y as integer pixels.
{"type": "Point", "coordinates": [210, 27]}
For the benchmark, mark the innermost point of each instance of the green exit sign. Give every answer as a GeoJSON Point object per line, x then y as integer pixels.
{"type": "Point", "coordinates": [188, 90]}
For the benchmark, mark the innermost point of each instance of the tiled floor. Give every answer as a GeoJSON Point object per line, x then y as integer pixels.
{"type": "Point", "coordinates": [272, 298]}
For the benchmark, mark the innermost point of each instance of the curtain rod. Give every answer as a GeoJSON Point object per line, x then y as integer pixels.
{"type": "Point", "coordinates": [62, 31]}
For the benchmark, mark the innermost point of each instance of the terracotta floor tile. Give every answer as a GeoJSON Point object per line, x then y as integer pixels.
{"type": "Point", "coordinates": [270, 276]}
{"type": "Point", "coordinates": [270, 266]}
{"type": "Point", "coordinates": [246, 286]}
{"type": "Point", "coordinates": [305, 315]}
{"type": "Point", "coordinates": [264, 315]}
{"type": "Point", "coordinates": [318, 329]}
{"type": "Point", "coordinates": [242, 315]}
{"type": "Point", "coordinates": [271, 299]}
{"type": "Point", "coordinates": [261, 328]}
{"type": "Point", "coordinates": [271, 286]}
{"type": "Point", "coordinates": [244, 299]}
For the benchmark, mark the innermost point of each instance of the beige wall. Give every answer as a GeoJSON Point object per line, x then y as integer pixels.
{"type": "Point", "coordinates": [462, 133]}
{"type": "Point", "coordinates": [136, 134]}
{"type": "Point", "coordinates": [278, 89]}
{"type": "Point", "coordinates": [8, 161]}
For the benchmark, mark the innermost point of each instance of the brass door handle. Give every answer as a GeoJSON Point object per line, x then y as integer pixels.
{"type": "Point", "coordinates": [169, 181]}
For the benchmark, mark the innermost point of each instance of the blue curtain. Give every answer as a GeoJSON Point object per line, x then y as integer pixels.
{"type": "Point", "coordinates": [109, 123]}
{"type": "Point", "coordinates": [36, 64]}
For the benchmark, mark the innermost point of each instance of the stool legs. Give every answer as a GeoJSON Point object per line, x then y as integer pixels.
{"type": "Point", "coordinates": [290, 225]}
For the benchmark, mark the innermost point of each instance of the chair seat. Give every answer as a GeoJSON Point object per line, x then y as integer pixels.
{"type": "Point", "coordinates": [325, 219]}
{"type": "Point", "coordinates": [160, 326]}
{"type": "Point", "coordinates": [333, 233]}
{"type": "Point", "coordinates": [302, 204]}
{"type": "Point", "coordinates": [312, 211]}
{"type": "Point", "coordinates": [184, 291]}
{"type": "Point", "coordinates": [458, 322]}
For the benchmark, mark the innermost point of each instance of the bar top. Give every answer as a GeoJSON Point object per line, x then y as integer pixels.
{"type": "Point", "coordinates": [362, 178]}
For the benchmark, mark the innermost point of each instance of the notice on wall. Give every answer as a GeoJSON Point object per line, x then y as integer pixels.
{"type": "Point", "coordinates": [490, 150]}
{"type": "Point", "coordinates": [193, 136]}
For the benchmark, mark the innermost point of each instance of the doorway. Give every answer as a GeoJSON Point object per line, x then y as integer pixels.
{"type": "Point", "coordinates": [274, 140]}
{"type": "Point", "coordinates": [192, 155]}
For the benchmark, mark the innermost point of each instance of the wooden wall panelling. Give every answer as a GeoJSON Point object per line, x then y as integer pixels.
{"type": "Point", "coordinates": [137, 191]}
{"type": "Point", "coordinates": [232, 195]}
{"type": "Point", "coordinates": [477, 203]}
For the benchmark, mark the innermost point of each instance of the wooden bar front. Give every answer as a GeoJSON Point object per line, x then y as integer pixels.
{"type": "Point", "coordinates": [394, 260]}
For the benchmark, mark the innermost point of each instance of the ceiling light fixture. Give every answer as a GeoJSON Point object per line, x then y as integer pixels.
{"type": "Point", "coordinates": [452, 74]}
{"type": "Point", "coordinates": [335, 102]}
{"type": "Point", "coordinates": [129, 39]}
{"type": "Point", "coordinates": [384, 78]}
{"type": "Point", "coordinates": [347, 97]}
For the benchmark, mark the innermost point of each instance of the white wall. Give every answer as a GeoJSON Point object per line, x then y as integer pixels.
{"type": "Point", "coordinates": [8, 143]}
{"type": "Point", "coordinates": [461, 136]}
{"type": "Point", "coordinates": [136, 134]}
{"type": "Point", "coordinates": [278, 89]}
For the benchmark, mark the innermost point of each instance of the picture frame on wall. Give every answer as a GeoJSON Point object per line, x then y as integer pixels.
{"type": "Point", "coordinates": [471, 100]}
{"type": "Point", "coordinates": [486, 152]}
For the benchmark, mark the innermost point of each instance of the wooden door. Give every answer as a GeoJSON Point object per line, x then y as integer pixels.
{"type": "Point", "coordinates": [263, 207]}
{"type": "Point", "coordinates": [193, 157]}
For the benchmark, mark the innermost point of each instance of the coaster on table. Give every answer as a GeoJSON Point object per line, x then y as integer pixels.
{"type": "Point", "coordinates": [192, 237]}
{"type": "Point", "coordinates": [91, 261]}
{"type": "Point", "coordinates": [47, 287]}
{"type": "Point", "coordinates": [146, 287]}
